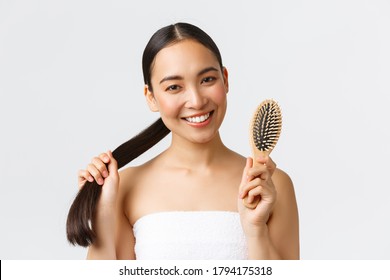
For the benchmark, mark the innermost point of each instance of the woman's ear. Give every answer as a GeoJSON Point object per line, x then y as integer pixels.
{"type": "Point", "coordinates": [150, 99]}
{"type": "Point", "coordinates": [225, 78]}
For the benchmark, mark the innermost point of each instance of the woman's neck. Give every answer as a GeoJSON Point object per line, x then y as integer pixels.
{"type": "Point", "coordinates": [189, 154]}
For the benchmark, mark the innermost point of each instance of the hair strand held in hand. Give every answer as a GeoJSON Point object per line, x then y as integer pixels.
{"type": "Point", "coordinates": [80, 222]}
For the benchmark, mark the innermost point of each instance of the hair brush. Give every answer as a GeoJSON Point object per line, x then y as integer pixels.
{"type": "Point", "coordinates": [264, 133]}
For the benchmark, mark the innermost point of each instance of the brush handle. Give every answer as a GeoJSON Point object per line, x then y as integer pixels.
{"type": "Point", "coordinates": [256, 200]}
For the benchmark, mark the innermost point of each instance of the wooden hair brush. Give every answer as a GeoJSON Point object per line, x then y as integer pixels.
{"type": "Point", "coordinates": [264, 133]}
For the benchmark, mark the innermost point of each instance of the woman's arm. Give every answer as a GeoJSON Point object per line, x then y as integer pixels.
{"type": "Point", "coordinates": [271, 229]}
{"type": "Point", "coordinates": [103, 248]}
{"type": "Point", "coordinates": [124, 239]}
{"type": "Point", "coordinates": [279, 238]}
{"type": "Point", "coordinates": [114, 236]}
{"type": "Point", "coordinates": [283, 224]}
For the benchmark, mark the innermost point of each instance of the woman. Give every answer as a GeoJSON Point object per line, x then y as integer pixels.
{"type": "Point", "coordinates": [186, 203]}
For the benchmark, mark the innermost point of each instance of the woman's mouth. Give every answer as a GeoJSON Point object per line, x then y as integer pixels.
{"type": "Point", "coordinates": [199, 119]}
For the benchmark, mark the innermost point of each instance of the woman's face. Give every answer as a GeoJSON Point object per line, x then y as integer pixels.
{"type": "Point", "coordinates": [189, 90]}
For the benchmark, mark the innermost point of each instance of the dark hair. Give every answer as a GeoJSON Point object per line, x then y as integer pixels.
{"type": "Point", "coordinates": [80, 221]}
{"type": "Point", "coordinates": [169, 35]}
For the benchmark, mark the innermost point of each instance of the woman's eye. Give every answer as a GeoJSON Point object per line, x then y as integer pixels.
{"type": "Point", "coordinates": [172, 88]}
{"type": "Point", "coordinates": [208, 79]}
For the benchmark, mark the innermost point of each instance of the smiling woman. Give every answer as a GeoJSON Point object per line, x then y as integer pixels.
{"type": "Point", "coordinates": [186, 202]}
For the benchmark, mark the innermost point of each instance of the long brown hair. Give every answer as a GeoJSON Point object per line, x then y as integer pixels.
{"type": "Point", "coordinates": [80, 222]}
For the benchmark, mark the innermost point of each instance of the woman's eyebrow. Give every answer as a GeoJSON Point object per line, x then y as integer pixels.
{"type": "Point", "coordinates": [178, 77]}
{"type": "Point", "coordinates": [211, 68]}
{"type": "Point", "coordinates": [173, 77]}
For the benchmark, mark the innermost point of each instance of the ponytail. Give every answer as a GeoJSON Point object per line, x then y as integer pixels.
{"type": "Point", "coordinates": [80, 222]}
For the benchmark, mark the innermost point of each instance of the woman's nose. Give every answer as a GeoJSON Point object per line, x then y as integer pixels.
{"type": "Point", "coordinates": [195, 99]}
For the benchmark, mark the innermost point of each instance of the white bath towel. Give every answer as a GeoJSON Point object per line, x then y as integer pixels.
{"type": "Point", "coordinates": [186, 235]}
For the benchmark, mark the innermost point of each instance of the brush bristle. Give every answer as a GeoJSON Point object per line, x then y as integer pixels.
{"type": "Point", "coordinates": [266, 125]}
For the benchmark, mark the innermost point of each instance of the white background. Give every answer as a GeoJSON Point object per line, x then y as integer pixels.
{"type": "Point", "coordinates": [71, 87]}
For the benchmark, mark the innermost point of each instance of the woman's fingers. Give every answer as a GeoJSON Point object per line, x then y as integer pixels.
{"type": "Point", "coordinates": [91, 168]}
{"type": "Point", "coordinates": [248, 165]}
{"type": "Point", "coordinates": [100, 166]}
{"type": "Point", "coordinates": [257, 191]}
{"type": "Point", "coordinates": [105, 157]}
{"type": "Point", "coordinates": [245, 177]}
{"type": "Point", "coordinates": [267, 162]}
{"type": "Point", "coordinates": [84, 176]}
{"type": "Point", "coordinates": [258, 187]}
{"type": "Point", "coordinates": [113, 166]}
{"type": "Point", "coordinates": [246, 188]}
{"type": "Point", "coordinates": [260, 171]}
{"type": "Point", "coordinates": [263, 167]}
{"type": "Point", "coordinates": [263, 191]}
{"type": "Point", "coordinates": [99, 169]}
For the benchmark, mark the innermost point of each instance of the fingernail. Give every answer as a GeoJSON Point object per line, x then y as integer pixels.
{"type": "Point", "coordinates": [90, 179]}
{"type": "Point", "coordinates": [105, 174]}
{"type": "Point", "coordinates": [100, 181]}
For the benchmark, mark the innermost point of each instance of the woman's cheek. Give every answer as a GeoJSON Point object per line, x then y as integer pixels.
{"type": "Point", "coordinates": [219, 96]}
{"type": "Point", "coordinates": [169, 107]}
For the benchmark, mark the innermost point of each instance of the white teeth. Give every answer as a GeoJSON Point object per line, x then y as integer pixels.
{"type": "Point", "coordinates": [198, 119]}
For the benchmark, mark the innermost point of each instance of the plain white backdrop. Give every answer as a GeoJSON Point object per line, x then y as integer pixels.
{"type": "Point", "coordinates": [71, 87]}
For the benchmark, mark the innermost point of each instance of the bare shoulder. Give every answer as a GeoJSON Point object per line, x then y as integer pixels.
{"type": "Point", "coordinates": [282, 182]}
{"type": "Point", "coordinates": [286, 199]}
{"type": "Point", "coordinates": [128, 176]}
{"type": "Point", "coordinates": [135, 186]}
{"type": "Point", "coordinates": [236, 159]}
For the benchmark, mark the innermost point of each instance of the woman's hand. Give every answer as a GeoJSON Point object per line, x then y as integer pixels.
{"type": "Point", "coordinates": [104, 170]}
{"type": "Point", "coordinates": [256, 181]}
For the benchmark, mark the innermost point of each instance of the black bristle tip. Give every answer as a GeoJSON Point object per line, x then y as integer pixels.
{"type": "Point", "coordinates": [267, 125]}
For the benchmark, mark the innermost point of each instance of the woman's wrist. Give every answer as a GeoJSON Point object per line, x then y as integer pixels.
{"type": "Point", "coordinates": [103, 246]}
{"type": "Point", "coordinates": [260, 245]}
{"type": "Point", "coordinates": [255, 231]}
{"type": "Point", "coordinates": [258, 234]}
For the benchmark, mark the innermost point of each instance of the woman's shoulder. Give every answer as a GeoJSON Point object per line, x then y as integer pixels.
{"type": "Point", "coordinates": [281, 176]}
{"type": "Point", "coordinates": [130, 180]}
{"type": "Point", "coordinates": [236, 158]}
{"type": "Point", "coordinates": [284, 186]}
{"type": "Point", "coordinates": [130, 175]}
{"type": "Point", "coordinates": [282, 180]}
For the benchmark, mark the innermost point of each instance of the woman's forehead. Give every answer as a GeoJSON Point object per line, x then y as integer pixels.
{"type": "Point", "coordinates": [183, 56]}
